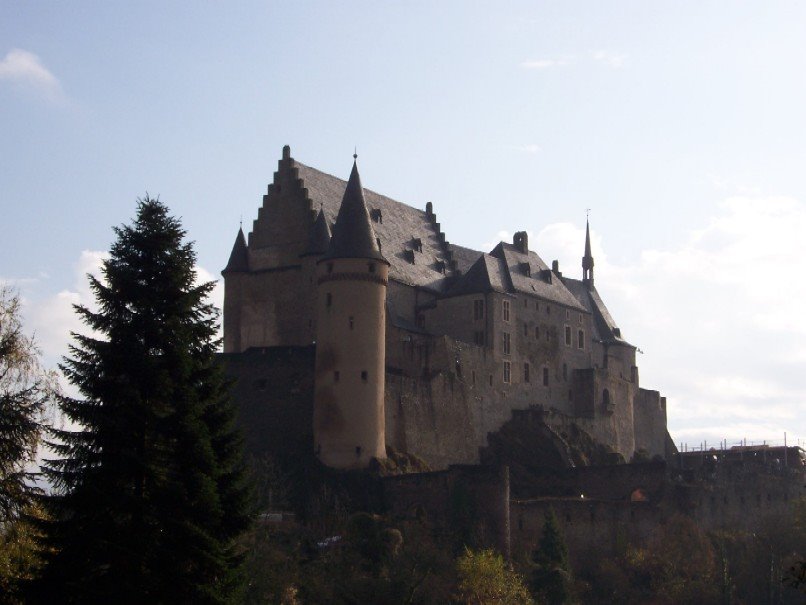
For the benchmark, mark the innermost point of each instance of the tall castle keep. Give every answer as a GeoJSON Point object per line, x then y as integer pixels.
{"type": "Point", "coordinates": [423, 345]}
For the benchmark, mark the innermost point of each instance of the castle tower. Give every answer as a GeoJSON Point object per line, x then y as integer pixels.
{"type": "Point", "coordinates": [587, 260]}
{"type": "Point", "coordinates": [235, 275]}
{"type": "Point", "coordinates": [348, 417]}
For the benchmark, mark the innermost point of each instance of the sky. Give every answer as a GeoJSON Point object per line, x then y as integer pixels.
{"type": "Point", "coordinates": [680, 125]}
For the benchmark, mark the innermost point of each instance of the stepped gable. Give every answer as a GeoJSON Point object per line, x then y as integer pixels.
{"type": "Point", "coordinates": [604, 326]}
{"type": "Point", "coordinates": [239, 257]}
{"type": "Point", "coordinates": [535, 283]}
{"type": "Point", "coordinates": [397, 226]}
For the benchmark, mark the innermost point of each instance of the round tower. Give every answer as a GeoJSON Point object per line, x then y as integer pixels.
{"type": "Point", "coordinates": [348, 417]}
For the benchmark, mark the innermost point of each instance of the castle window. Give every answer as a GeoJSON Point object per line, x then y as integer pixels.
{"type": "Point", "coordinates": [567, 314]}
{"type": "Point", "coordinates": [505, 342]}
{"type": "Point", "coordinates": [491, 380]}
{"type": "Point", "coordinates": [548, 310]}
{"type": "Point", "coordinates": [526, 372]}
{"type": "Point", "coordinates": [545, 377]}
{"type": "Point", "coordinates": [525, 329]}
{"type": "Point", "coordinates": [328, 300]}
{"type": "Point", "coordinates": [336, 376]}
{"type": "Point", "coordinates": [371, 267]}
{"type": "Point", "coordinates": [478, 338]}
{"type": "Point", "coordinates": [580, 318]}
{"type": "Point", "coordinates": [330, 267]}
{"type": "Point", "coordinates": [417, 244]}
{"type": "Point", "coordinates": [364, 375]}
{"type": "Point", "coordinates": [608, 406]}
{"type": "Point", "coordinates": [525, 302]}
{"type": "Point", "coordinates": [505, 309]}
{"type": "Point", "coordinates": [537, 305]}
{"type": "Point", "coordinates": [507, 372]}
{"type": "Point", "coordinates": [548, 335]}
{"type": "Point", "coordinates": [581, 339]}
{"type": "Point", "coordinates": [567, 336]}
{"type": "Point", "coordinates": [376, 215]}
{"type": "Point", "coordinates": [473, 377]}
{"type": "Point", "coordinates": [478, 309]}
{"type": "Point", "coordinates": [565, 371]}
{"type": "Point", "coordinates": [352, 322]}
{"type": "Point", "coordinates": [358, 451]}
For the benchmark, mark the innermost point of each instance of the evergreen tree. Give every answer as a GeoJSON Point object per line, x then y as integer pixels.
{"type": "Point", "coordinates": [150, 490]}
{"type": "Point", "coordinates": [551, 578]}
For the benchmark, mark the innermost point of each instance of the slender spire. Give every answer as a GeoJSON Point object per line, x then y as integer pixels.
{"type": "Point", "coordinates": [353, 236]}
{"type": "Point", "coordinates": [239, 257]}
{"type": "Point", "coordinates": [587, 260]}
{"type": "Point", "coordinates": [319, 239]}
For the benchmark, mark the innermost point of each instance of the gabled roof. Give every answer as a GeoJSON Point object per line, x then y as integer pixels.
{"type": "Point", "coordinates": [353, 236]}
{"type": "Point", "coordinates": [486, 275]}
{"type": "Point", "coordinates": [396, 227]}
{"type": "Point", "coordinates": [605, 329]}
{"type": "Point", "coordinates": [239, 257]}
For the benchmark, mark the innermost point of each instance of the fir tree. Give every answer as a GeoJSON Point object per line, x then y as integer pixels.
{"type": "Point", "coordinates": [551, 577]}
{"type": "Point", "coordinates": [150, 490]}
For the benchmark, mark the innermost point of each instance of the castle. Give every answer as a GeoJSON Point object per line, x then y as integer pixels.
{"type": "Point", "coordinates": [421, 345]}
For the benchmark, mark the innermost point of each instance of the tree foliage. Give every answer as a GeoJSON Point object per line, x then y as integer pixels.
{"type": "Point", "coordinates": [484, 579]}
{"type": "Point", "coordinates": [25, 389]}
{"type": "Point", "coordinates": [551, 578]}
{"type": "Point", "coordinates": [149, 484]}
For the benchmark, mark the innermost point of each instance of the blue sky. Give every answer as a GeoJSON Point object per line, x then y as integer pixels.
{"type": "Point", "coordinates": [680, 124]}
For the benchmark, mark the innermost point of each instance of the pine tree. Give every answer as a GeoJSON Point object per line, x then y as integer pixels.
{"type": "Point", "coordinates": [149, 487]}
{"type": "Point", "coordinates": [551, 577]}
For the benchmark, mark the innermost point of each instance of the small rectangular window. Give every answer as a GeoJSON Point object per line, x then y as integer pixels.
{"type": "Point", "coordinates": [352, 322]}
{"type": "Point", "coordinates": [545, 377]}
{"type": "Point", "coordinates": [525, 302]}
{"type": "Point", "coordinates": [567, 314]}
{"type": "Point", "coordinates": [473, 377]}
{"type": "Point", "coordinates": [505, 340]}
{"type": "Point", "coordinates": [580, 318]}
{"type": "Point", "coordinates": [478, 309]}
{"type": "Point", "coordinates": [371, 267]}
{"type": "Point", "coordinates": [491, 380]}
{"type": "Point", "coordinates": [567, 336]}
{"type": "Point", "coordinates": [548, 310]}
{"type": "Point", "coordinates": [507, 372]}
{"type": "Point", "coordinates": [581, 339]}
{"type": "Point", "coordinates": [328, 300]}
{"type": "Point", "coordinates": [565, 371]}
{"type": "Point", "coordinates": [526, 372]}
{"type": "Point", "coordinates": [364, 375]}
{"type": "Point", "coordinates": [537, 332]}
{"type": "Point", "coordinates": [505, 310]}
{"type": "Point", "coordinates": [525, 329]}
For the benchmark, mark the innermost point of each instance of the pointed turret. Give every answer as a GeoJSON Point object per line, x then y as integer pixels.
{"type": "Point", "coordinates": [353, 236]}
{"type": "Point", "coordinates": [587, 260]}
{"type": "Point", "coordinates": [319, 239]}
{"type": "Point", "coordinates": [239, 257]}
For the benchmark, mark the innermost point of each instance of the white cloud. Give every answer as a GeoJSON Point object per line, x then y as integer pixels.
{"type": "Point", "coordinates": [719, 316]}
{"type": "Point", "coordinates": [609, 58]}
{"type": "Point", "coordinates": [24, 70]}
{"type": "Point", "coordinates": [530, 148]}
{"type": "Point", "coordinates": [545, 63]}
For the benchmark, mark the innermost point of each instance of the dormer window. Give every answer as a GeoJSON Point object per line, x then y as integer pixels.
{"type": "Point", "coordinates": [409, 256]}
{"type": "Point", "coordinates": [527, 269]}
{"type": "Point", "coordinates": [440, 266]}
{"type": "Point", "coordinates": [417, 244]}
{"type": "Point", "coordinates": [376, 215]}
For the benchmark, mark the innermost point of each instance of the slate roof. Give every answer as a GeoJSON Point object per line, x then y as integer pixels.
{"type": "Point", "coordinates": [319, 240]}
{"type": "Point", "coordinates": [397, 228]}
{"type": "Point", "coordinates": [353, 236]}
{"type": "Point", "coordinates": [604, 326]}
{"type": "Point", "coordinates": [400, 227]}
{"type": "Point", "coordinates": [239, 257]}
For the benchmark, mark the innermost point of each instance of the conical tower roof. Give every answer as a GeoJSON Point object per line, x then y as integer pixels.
{"type": "Point", "coordinates": [319, 240]}
{"type": "Point", "coordinates": [353, 236]}
{"type": "Point", "coordinates": [239, 257]}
